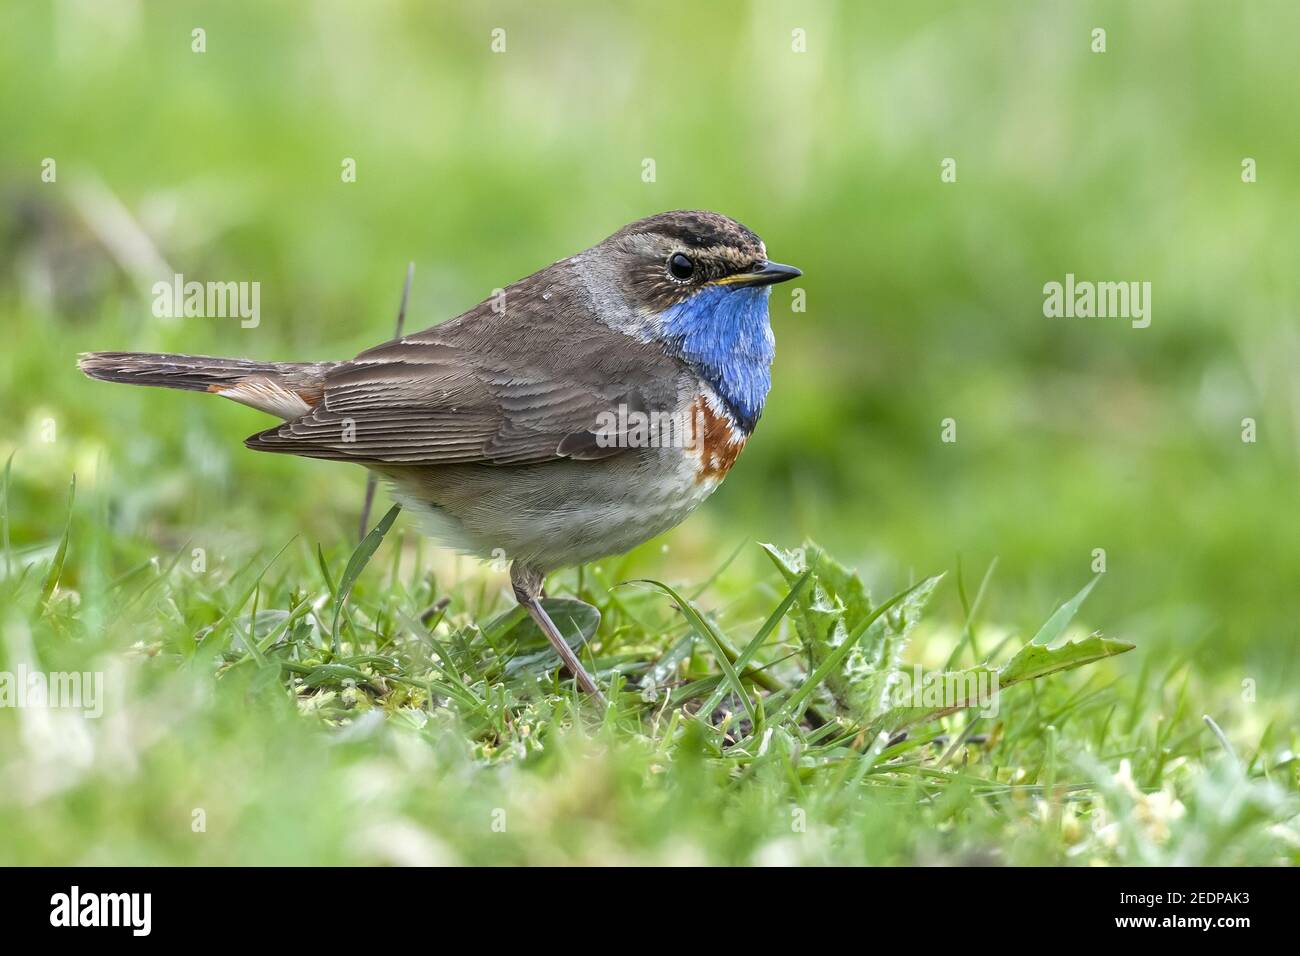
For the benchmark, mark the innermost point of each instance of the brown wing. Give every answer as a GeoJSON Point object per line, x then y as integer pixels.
{"type": "Point", "coordinates": [527, 385]}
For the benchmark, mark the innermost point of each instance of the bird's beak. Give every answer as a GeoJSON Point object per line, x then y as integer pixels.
{"type": "Point", "coordinates": [765, 273]}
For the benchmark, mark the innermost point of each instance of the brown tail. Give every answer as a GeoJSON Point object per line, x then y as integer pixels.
{"type": "Point", "coordinates": [286, 389]}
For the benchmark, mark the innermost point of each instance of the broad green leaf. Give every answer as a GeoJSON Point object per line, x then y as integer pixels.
{"type": "Point", "coordinates": [834, 605]}
{"type": "Point", "coordinates": [818, 618]}
{"type": "Point", "coordinates": [842, 583]}
{"type": "Point", "coordinates": [1034, 660]}
{"type": "Point", "coordinates": [836, 658]}
{"type": "Point", "coordinates": [872, 662]}
{"type": "Point", "coordinates": [577, 620]}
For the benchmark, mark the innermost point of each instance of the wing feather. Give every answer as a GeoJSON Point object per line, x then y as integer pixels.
{"type": "Point", "coordinates": [528, 386]}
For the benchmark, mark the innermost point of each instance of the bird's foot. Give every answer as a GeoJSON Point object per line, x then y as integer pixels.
{"type": "Point", "coordinates": [528, 588]}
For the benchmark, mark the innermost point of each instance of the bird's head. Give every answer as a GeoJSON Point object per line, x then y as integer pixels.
{"type": "Point", "coordinates": [698, 282]}
{"type": "Point", "coordinates": [669, 259]}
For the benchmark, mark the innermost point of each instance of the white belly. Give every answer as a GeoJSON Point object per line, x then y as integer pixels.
{"type": "Point", "coordinates": [560, 513]}
{"type": "Point", "coordinates": [568, 512]}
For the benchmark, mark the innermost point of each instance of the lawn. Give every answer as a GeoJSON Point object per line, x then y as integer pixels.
{"type": "Point", "coordinates": [1094, 517]}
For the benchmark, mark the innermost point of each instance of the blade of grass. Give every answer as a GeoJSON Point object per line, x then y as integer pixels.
{"type": "Point", "coordinates": [249, 639]}
{"type": "Point", "coordinates": [768, 627]}
{"type": "Point", "coordinates": [4, 515]}
{"type": "Point", "coordinates": [56, 566]}
{"type": "Point", "coordinates": [356, 564]}
{"type": "Point", "coordinates": [705, 630]}
{"type": "Point", "coordinates": [971, 609]}
{"type": "Point", "coordinates": [1222, 738]}
{"type": "Point", "coordinates": [325, 571]}
{"type": "Point", "coordinates": [229, 616]}
{"type": "Point", "coordinates": [1055, 625]}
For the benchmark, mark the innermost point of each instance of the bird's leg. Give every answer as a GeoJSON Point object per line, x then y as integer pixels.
{"type": "Point", "coordinates": [528, 588]}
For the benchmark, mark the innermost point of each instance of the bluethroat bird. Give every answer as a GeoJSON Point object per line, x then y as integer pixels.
{"type": "Point", "coordinates": [573, 415]}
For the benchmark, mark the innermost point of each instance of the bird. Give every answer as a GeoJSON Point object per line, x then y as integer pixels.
{"type": "Point", "coordinates": [570, 416]}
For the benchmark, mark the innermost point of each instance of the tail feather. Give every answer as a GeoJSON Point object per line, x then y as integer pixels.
{"type": "Point", "coordinates": [195, 373]}
{"type": "Point", "coordinates": [286, 389]}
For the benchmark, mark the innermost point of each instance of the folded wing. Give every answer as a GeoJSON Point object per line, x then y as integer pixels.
{"type": "Point", "coordinates": [463, 393]}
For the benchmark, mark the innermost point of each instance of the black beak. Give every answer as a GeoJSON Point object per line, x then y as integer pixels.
{"type": "Point", "coordinates": [765, 273]}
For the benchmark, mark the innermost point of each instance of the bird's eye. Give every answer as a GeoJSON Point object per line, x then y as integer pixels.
{"type": "Point", "coordinates": [680, 266]}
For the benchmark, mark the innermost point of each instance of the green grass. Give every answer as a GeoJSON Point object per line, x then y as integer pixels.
{"type": "Point", "coordinates": [923, 302]}
{"type": "Point", "coordinates": [243, 725]}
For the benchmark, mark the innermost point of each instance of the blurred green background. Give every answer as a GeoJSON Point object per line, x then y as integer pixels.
{"type": "Point", "coordinates": [923, 298]}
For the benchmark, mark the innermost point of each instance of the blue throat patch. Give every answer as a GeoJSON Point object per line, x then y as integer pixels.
{"type": "Point", "coordinates": [724, 334]}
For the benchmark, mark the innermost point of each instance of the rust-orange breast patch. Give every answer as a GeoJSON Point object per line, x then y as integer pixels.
{"type": "Point", "coordinates": [720, 444]}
